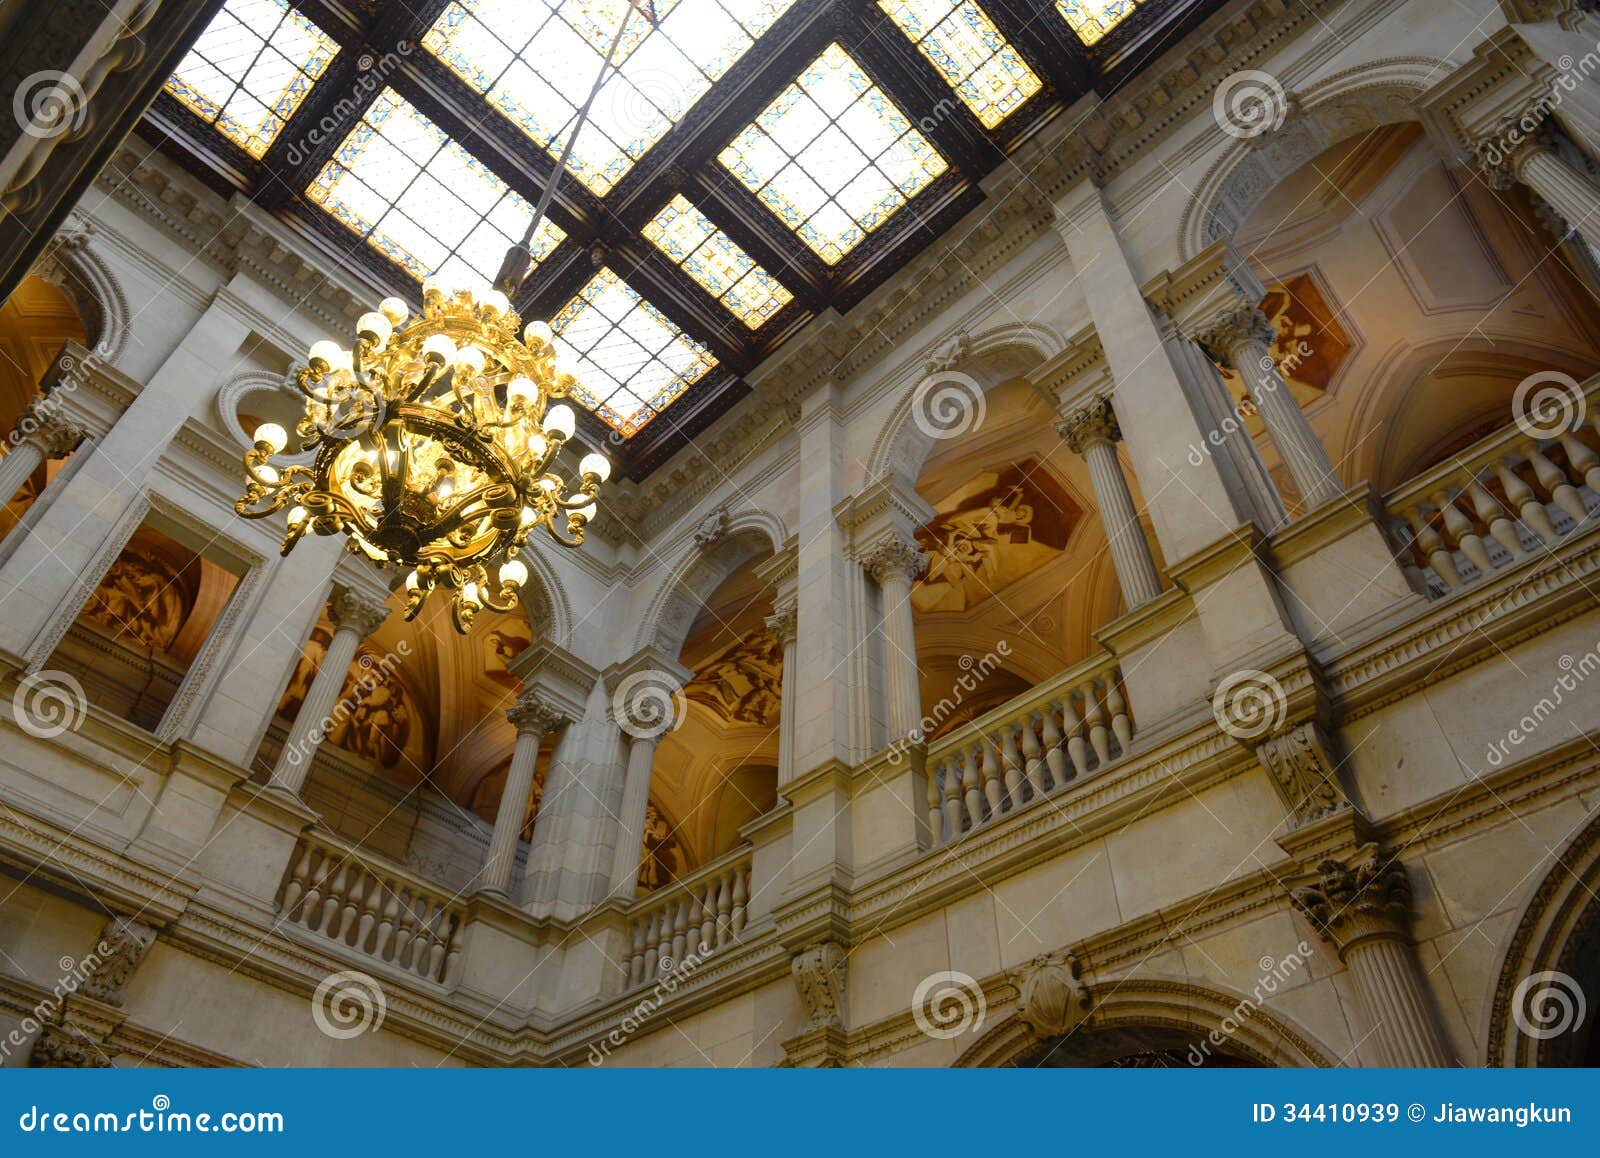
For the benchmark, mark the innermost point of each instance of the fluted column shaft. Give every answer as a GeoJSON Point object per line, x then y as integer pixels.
{"type": "Point", "coordinates": [532, 721]}
{"type": "Point", "coordinates": [1092, 432]}
{"type": "Point", "coordinates": [631, 816]}
{"type": "Point", "coordinates": [1385, 973]}
{"type": "Point", "coordinates": [1562, 187]}
{"type": "Point", "coordinates": [37, 435]}
{"type": "Point", "coordinates": [354, 618]}
{"type": "Point", "coordinates": [893, 564]}
{"type": "Point", "coordinates": [783, 625]}
{"type": "Point", "coordinates": [17, 467]}
{"type": "Point", "coordinates": [1245, 342]}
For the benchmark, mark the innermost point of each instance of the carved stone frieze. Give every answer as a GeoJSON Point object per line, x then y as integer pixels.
{"type": "Point", "coordinates": [819, 974]}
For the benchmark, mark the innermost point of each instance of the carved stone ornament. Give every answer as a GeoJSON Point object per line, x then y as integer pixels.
{"type": "Point", "coordinates": [1353, 900]}
{"type": "Point", "coordinates": [712, 529]}
{"type": "Point", "coordinates": [819, 975]}
{"type": "Point", "coordinates": [783, 623]}
{"type": "Point", "coordinates": [61, 1048]}
{"type": "Point", "coordinates": [1237, 329]}
{"type": "Point", "coordinates": [1052, 1001]}
{"type": "Point", "coordinates": [949, 354]}
{"type": "Point", "coordinates": [531, 716]}
{"type": "Point", "coordinates": [42, 423]}
{"type": "Point", "coordinates": [1302, 770]}
{"type": "Point", "coordinates": [121, 949]}
{"type": "Point", "coordinates": [356, 611]}
{"type": "Point", "coordinates": [894, 555]}
{"type": "Point", "coordinates": [1095, 421]}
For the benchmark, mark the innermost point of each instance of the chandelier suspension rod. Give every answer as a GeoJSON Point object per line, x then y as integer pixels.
{"type": "Point", "coordinates": [515, 267]}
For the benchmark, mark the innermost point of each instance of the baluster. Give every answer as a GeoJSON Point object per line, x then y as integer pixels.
{"type": "Point", "coordinates": [295, 889]}
{"type": "Point", "coordinates": [1054, 758]}
{"type": "Point", "coordinates": [1398, 533]}
{"type": "Point", "coordinates": [1554, 480]}
{"type": "Point", "coordinates": [1585, 463]}
{"type": "Point", "coordinates": [352, 905]}
{"type": "Point", "coordinates": [1494, 516]}
{"type": "Point", "coordinates": [652, 941]}
{"type": "Point", "coordinates": [405, 935]}
{"type": "Point", "coordinates": [1011, 761]}
{"type": "Point", "coordinates": [741, 899]}
{"type": "Point", "coordinates": [725, 909]}
{"type": "Point", "coordinates": [1032, 756]}
{"type": "Point", "coordinates": [1461, 530]}
{"type": "Point", "coordinates": [952, 796]}
{"type": "Point", "coordinates": [971, 785]}
{"type": "Point", "coordinates": [391, 911]}
{"type": "Point", "coordinates": [1072, 726]}
{"type": "Point", "coordinates": [439, 934]}
{"type": "Point", "coordinates": [636, 966]}
{"type": "Point", "coordinates": [452, 960]}
{"type": "Point", "coordinates": [698, 941]}
{"type": "Point", "coordinates": [935, 805]}
{"type": "Point", "coordinates": [1121, 725]}
{"type": "Point", "coordinates": [680, 930]}
{"type": "Point", "coordinates": [371, 905]}
{"type": "Point", "coordinates": [991, 777]}
{"type": "Point", "coordinates": [1527, 503]}
{"type": "Point", "coordinates": [1095, 718]}
{"type": "Point", "coordinates": [311, 910]}
{"type": "Point", "coordinates": [1439, 557]}
{"type": "Point", "coordinates": [330, 905]}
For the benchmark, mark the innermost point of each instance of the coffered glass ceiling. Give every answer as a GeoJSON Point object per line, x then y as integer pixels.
{"type": "Point", "coordinates": [1092, 19]}
{"type": "Point", "coordinates": [633, 361]}
{"type": "Point", "coordinates": [833, 156]}
{"type": "Point", "coordinates": [250, 69]}
{"type": "Point", "coordinates": [422, 200]}
{"type": "Point", "coordinates": [713, 259]}
{"type": "Point", "coordinates": [535, 61]}
{"type": "Point", "coordinates": [975, 60]}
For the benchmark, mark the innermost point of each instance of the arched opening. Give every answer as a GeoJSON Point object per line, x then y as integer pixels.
{"type": "Point", "coordinates": [34, 323]}
{"type": "Point", "coordinates": [1135, 1047]}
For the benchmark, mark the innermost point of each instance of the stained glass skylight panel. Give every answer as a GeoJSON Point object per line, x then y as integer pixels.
{"type": "Point", "coordinates": [419, 198]}
{"type": "Point", "coordinates": [833, 156]}
{"type": "Point", "coordinates": [250, 69]}
{"type": "Point", "coordinates": [970, 53]}
{"type": "Point", "coordinates": [632, 361]}
{"type": "Point", "coordinates": [715, 260]}
{"type": "Point", "coordinates": [535, 61]}
{"type": "Point", "coordinates": [1092, 19]}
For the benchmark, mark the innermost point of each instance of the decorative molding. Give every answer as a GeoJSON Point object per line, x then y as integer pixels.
{"type": "Point", "coordinates": [1300, 764]}
{"type": "Point", "coordinates": [820, 974]}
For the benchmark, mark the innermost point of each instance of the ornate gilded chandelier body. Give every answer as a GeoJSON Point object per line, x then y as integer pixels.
{"type": "Point", "coordinates": [435, 448]}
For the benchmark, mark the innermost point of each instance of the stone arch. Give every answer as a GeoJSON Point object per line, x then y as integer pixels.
{"type": "Point", "coordinates": [1382, 92]}
{"type": "Point", "coordinates": [1172, 1004]}
{"type": "Point", "coordinates": [71, 263]}
{"type": "Point", "coordinates": [721, 542]}
{"type": "Point", "coordinates": [1559, 933]}
{"type": "Point", "coordinates": [987, 358]}
{"type": "Point", "coordinates": [544, 598]}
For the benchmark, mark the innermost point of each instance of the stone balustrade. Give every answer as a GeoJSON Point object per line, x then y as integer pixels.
{"type": "Point", "coordinates": [1070, 727]}
{"type": "Point", "coordinates": [1507, 497]}
{"type": "Point", "coordinates": [373, 908]}
{"type": "Point", "coordinates": [685, 922]}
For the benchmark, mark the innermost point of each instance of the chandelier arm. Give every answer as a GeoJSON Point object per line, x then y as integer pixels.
{"type": "Point", "coordinates": [430, 370]}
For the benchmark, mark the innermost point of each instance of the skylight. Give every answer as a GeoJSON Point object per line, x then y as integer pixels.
{"type": "Point", "coordinates": [535, 61]}
{"type": "Point", "coordinates": [250, 69]}
{"type": "Point", "coordinates": [714, 259]}
{"type": "Point", "coordinates": [975, 60]}
{"type": "Point", "coordinates": [1092, 19]}
{"type": "Point", "coordinates": [422, 200]}
{"type": "Point", "coordinates": [633, 362]}
{"type": "Point", "coordinates": [832, 156]}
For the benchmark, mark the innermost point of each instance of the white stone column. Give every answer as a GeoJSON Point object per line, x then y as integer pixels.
{"type": "Point", "coordinates": [533, 720]}
{"type": "Point", "coordinates": [894, 562]}
{"type": "Point", "coordinates": [38, 434]}
{"type": "Point", "coordinates": [354, 617]}
{"type": "Point", "coordinates": [630, 817]}
{"type": "Point", "coordinates": [783, 624]}
{"type": "Point", "coordinates": [1243, 339]}
{"type": "Point", "coordinates": [1091, 431]}
{"type": "Point", "coordinates": [1537, 164]}
{"type": "Point", "coordinates": [1363, 907]}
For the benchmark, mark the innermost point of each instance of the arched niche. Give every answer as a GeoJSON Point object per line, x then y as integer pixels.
{"type": "Point", "coordinates": [73, 264]}
{"type": "Point", "coordinates": [723, 541]}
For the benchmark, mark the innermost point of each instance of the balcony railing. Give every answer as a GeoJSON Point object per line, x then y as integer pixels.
{"type": "Point", "coordinates": [1503, 499]}
{"type": "Point", "coordinates": [680, 925]}
{"type": "Point", "coordinates": [1072, 726]}
{"type": "Point", "coordinates": [373, 908]}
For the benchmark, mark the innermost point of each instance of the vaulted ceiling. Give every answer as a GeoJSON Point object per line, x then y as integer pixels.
{"type": "Point", "coordinates": [747, 165]}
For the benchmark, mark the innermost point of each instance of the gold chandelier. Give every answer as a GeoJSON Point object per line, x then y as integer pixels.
{"type": "Point", "coordinates": [435, 448]}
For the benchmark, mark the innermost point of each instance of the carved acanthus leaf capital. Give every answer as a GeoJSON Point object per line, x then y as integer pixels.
{"type": "Point", "coordinates": [784, 623]}
{"type": "Point", "coordinates": [532, 716]}
{"type": "Point", "coordinates": [1353, 900]}
{"type": "Point", "coordinates": [1228, 338]}
{"type": "Point", "coordinates": [819, 975]}
{"type": "Point", "coordinates": [359, 613]}
{"type": "Point", "coordinates": [894, 555]}
{"type": "Point", "coordinates": [122, 946]}
{"type": "Point", "coordinates": [1052, 1000]}
{"type": "Point", "coordinates": [1095, 421]}
{"type": "Point", "coordinates": [42, 424]}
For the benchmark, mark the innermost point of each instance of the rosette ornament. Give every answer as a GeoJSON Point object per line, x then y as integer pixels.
{"type": "Point", "coordinates": [436, 448]}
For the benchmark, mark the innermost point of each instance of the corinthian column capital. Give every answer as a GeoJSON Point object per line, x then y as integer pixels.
{"type": "Point", "coordinates": [532, 716]}
{"type": "Point", "coordinates": [1363, 897]}
{"type": "Point", "coordinates": [1094, 421]}
{"type": "Point", "coordinates": [1236, 329]}
{"type": "Point", "coordinates": [783, 623]}
{"type": "Point", "coordinates": [894, 555]}
{"type": "Point", "coordinates": [360, 613]}
{"type": "Point", "coordinates": [42, 424]}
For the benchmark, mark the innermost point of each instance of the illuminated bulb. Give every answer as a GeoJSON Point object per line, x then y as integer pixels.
{"type": "Point", "coordinates": [375, 327]}
{"type": "Point", "coordinates": [267, 474]}
{"type": "Point", "coordinates": [496, 304]}
{"type": "Point", "coordinates": [548, 484]}
{"type": "Point", "coordinates": [470, 361]}
{"type": "Point", "coordinates": [434, 285]}
{"type": "Point", "coordinates": [445, 489]}
{"type": "Point", "coordinates": [343, 360]}
{"type": "Point", "coordinates": [529, 515]}
{"type": "Point", "coordinates": [595, 464]}
{"type": "Point", "coordinates": [395, 309]}
{"type": "Point", "coordinates": [537, 446]}
{"type": "Point", "coordinates": [273, 435]}
{"type": "Point", "coordinates": [469, 593]}
{"type": "Point", "coordinates": [585, 513]}
{"type": "Point", "coordinates": [538, 333]}
{"type": "Point", "coordinates": [559, 422]}
{"type": "Point", "coordinates": [325, 352]}
{"type": "Point", "coordinates": [522, 388]}
{"type": "Point", "coordinates": [514, 572]}
{"type": "Point", "coordinates": [297, 515]}
{"type": "Point", "coordinates": [412, 582]}
{"type": "Point", "coordinates": [439, 348]}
